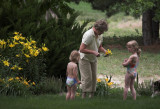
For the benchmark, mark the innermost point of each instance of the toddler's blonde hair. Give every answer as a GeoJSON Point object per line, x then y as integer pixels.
{"type": "Point", "coordinates": [135, 46]}
{"type": "Point", "coordinates": [74, 56]}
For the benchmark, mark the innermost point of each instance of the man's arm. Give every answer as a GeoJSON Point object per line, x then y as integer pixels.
{"type": "Point", "coordinates": [87, 51]}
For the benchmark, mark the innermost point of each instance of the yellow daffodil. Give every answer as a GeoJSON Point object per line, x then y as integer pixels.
{"type": "Point", "coordinates": [22, 43]}
{"type": "Point", "coordinates": [16, 67]}
{"type": "Point", "coordinates": [98, 80]}
{"type": "Point", "coordinates": [34, 46]}
{"type": "Point", "coordinates": [18, 55]}
{"type": "Point", "coordinates": [17, 78]}
{"type": "Point", "coordinates": [25, 83]}
{"type": "Point", "coordinates": [45, 49]}
{"type": "Point", "coordinates": [27, 56]}
{"type": "Point", "coordinates": [110, 83]}
{"type": "Point", "coordinates": [29, 47]}
{"type": "Point", "coordinates": [6, 63]}
{"type": "Point", "coordinates": [10, 79]}
{"type": "Point", "coordinates": [16, 33]}
{"type": "Point", "coordinates": [108, 52]}
{"type": "Point", "coordinates": [11, 45]}
{"type": "Point", "coordinates": [13, 68]}
{"type": "Point", "coordinates": [2, 42]}
{"type": "Point", "coordinates": [31, 52]}
{"type": "Point", "coordinates": [19, 68]}
{"type": "Point", "coordinates": [33, 42]}
{"type": "Point", "coordinates": [22, 38]}
{"type": "Point", "coordinates": [16, 37]}
{"type": "Point", "coordinates": [34, 83]}
{"type": "Point", "coordinates": [27, 44]}
{"type": "Point", "coordinates": [15, 43]}
{"type": "Point", "coordinates": [36, 53]}
{"type": "Point", "coordinates": [106, 79]}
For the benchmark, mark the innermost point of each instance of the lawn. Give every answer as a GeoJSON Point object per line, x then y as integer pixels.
{"type": "Point", "coordinates": [112, 65]}
{"type": "Point", "coordinates": [59, 102]}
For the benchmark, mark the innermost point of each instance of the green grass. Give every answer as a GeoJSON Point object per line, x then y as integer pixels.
{"type": "Point", "coordinates": [119, 24]}
{"type": "Point", "coordinates": [59, 102]}
{"type": "Point", "coordinates": [86, 11]}
{"type": "Point", "coordinates": [112, 65]}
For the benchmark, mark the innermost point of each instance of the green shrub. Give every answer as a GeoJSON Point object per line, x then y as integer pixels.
{"type": "Point", "coordinates": [61, 34]}
{"type": "Point", "coordinates": [117, 40]}
{"type": "Point", "coordinates": [20, 57]}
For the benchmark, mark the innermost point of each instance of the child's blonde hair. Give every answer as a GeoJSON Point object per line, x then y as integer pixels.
{"type": "Point", "coordinates": [74, 56]}
{"type": "Point", "coordinates": [135, 46]}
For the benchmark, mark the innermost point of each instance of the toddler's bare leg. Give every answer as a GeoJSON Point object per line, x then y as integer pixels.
{"type": "Point", "coordinates": [73, 91]}
{"type": "Point", "coordinates": [68, 93]}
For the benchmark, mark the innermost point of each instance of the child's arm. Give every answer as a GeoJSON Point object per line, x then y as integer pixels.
{"type": "Point", "coordinates": [75, 74]}
{"type": "Point", "coordinates": [127, 61]}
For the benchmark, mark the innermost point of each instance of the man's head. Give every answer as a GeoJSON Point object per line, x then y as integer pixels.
{"type": "Point", "coordinates": [100, 26]}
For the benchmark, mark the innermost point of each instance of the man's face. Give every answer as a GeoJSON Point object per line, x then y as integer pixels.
{"type": "Point", "coordinates": [99, 32]}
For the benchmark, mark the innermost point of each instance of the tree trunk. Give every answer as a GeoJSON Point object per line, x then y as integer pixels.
{"type": "Point", "coordinates": [155, 28]}
{"type": "Point", "coordinates": [147, 28]}
{"type": "Point", "coordinates": [150, 28]}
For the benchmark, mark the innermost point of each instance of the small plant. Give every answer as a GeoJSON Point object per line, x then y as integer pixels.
{"type": "Point", "coordinates": [144, 88]}
{"type": "Point", "coordinates": [17, 86]}
{"type": "Point", "coordinates": [103, 86]}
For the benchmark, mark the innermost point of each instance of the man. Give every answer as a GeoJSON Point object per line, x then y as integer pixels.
{"type": "Point", "coordinates": [89, 51]}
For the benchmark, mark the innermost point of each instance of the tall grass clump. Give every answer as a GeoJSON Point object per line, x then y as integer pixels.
{"type": "Point", "coordinates": [50, 85]}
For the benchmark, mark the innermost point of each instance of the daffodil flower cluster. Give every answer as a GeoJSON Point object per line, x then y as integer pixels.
{"type": "Point", "coordinates": [15, 85]}
{"type": "Point", "coordinates": [20, 56]}
{"type": "Point", "coordinates": [108, 52]}
{"type": "Point", "coordinates": [21, 80]}
{"type": "Point", "coordinates": [28, 46]}
{"type": "Point", "coordinates": [103, 86]}
{"type": "Point", "coordinates": [107, 81]}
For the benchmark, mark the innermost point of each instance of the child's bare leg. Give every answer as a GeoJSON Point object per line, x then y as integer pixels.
{"type": "Point", "coordinates": [132, 89]}
{"type": "Point", "coordinates": [68, 95]}
{"type": "Point", "coordinates": [125, 93]}
{"type": "Point", "coordinates": [73, 91]}
{"type": "Point", "coordinates": [127, 83]}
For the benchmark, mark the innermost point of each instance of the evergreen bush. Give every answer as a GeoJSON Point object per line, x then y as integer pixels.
{"type": "Point", "coordinates": [60, 31]}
